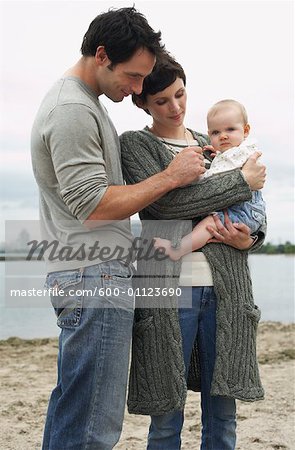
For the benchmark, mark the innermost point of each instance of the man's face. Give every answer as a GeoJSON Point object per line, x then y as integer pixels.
{"type": "Point", "coordinates": [126, 78]}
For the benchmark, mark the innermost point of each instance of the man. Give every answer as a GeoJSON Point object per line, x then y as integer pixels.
{"type": "Point", "coordinates": [83, 204]}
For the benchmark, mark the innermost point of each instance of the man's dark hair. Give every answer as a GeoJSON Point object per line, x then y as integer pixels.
{"type": "Point", "coordinates": [121, 32]}
{"type": "Point", "coordinates": [164, 73]}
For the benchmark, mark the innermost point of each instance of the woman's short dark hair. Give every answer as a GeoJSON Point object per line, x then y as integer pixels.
{"type": "Point", "coordinates": [165, 72]}
{"type": "Point", "coordinates": [121, 32]}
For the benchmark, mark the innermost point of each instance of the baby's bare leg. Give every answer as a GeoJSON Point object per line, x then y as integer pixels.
{"type": "Point", "coordinates": [198, 237]}
{"type": "Point", "coordinates": [192, 241]}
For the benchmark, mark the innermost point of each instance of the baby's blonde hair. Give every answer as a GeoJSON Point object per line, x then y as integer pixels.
{"type": "Point", "coordinates": [213, 110]}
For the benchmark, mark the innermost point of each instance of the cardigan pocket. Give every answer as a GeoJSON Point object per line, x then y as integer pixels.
{"type": "Point", "coordinates": [147, 381]}
{"type": "Point", "coordinates": [144, 370]}
{"type": "Point", "coordinates": [253, 389]}
{"type": "Point", "coordinates": [142, 325]}
{"type": "Point", "coordinates": [253, 312]}
{"type": "Point", "coordinates": [157, 382]}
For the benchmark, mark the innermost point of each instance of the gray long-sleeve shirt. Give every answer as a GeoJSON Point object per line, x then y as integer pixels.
{"type": "Point", "coordinates": [76, 156]}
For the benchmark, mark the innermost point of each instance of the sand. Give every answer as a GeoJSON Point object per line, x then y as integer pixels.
{"type": "Point", "coordinates": [28, 374]}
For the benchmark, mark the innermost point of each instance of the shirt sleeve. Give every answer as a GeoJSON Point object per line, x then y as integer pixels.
{"type": "Point", "coordinates": [71, 134]}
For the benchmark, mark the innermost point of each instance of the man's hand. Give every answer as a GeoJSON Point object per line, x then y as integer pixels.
{"type": "Point", "coordinates": [236, 235]}
{"type": "Point", "coordinates": [186, 167]}
{"type": "Point", "coordinates": [254, 172]}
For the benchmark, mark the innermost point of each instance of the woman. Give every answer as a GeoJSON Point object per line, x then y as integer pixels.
{"type": "Point", "coordinates": [209, 346]}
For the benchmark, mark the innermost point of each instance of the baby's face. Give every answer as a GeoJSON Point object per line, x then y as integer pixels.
{"type": "Point", "coordinates": [227, 129]}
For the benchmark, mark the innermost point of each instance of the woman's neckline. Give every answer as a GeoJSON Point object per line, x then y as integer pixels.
{"type": "Point", "coordinates": [187, 135]}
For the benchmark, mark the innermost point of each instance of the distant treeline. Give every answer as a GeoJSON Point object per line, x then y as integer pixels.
{"type": "Point", "coordinates": [271, 249]}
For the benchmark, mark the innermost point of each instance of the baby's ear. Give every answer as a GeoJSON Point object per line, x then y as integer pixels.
{"type": "Point", "coordinates": [246, 130]}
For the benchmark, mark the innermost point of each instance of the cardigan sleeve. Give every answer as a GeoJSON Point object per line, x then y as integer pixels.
{"type": "Point", "coordinates": [143, 157]}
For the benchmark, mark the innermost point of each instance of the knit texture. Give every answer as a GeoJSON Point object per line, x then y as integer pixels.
{"type": "Point", "coordinates": [157, 382]}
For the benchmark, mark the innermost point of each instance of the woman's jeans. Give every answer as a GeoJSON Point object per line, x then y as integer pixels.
{"type": "Point", "coordinates": [86, 408]}
{"type": "Point", "coordinates": [218, 413]}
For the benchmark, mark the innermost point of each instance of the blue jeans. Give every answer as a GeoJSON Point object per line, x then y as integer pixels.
{"type": "Point", "coordinates": [251, 213]}
{"type": "Point", "coordinates": [86, 408]}
{"type": "Point", "coordinates": [218, 413]}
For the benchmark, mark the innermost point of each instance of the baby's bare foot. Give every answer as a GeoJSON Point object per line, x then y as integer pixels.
{"type": "Point", "coordinates": [168, 249]}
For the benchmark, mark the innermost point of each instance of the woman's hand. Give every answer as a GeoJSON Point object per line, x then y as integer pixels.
{"type": "Point", "coordinates": [254, 172]}
{"type": "Point", "coordinates": [236, 235]}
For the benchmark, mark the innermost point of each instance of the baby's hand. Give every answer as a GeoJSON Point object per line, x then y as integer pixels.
{"type": "Point", "coordinates": [211, 149]}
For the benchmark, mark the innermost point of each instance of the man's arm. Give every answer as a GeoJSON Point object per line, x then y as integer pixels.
{"type": "Point", "coordinates": [71, 134]}
{"type": "Point", "coordinates": [120, 202]}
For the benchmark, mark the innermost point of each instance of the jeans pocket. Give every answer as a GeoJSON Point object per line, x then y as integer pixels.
{"type": "Point", "coordinates": [116, 281]}
{"type": "Point", "coordinates": [66, 294]}
{"type": "Point", "coordinates": [116, 271]}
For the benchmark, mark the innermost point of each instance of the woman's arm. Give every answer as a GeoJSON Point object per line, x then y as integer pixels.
{"type": "Point", "coordinates": [143, 156]}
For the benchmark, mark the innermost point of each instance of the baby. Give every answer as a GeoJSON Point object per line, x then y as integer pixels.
{"type": "Point", "coordinates": [228, 130]}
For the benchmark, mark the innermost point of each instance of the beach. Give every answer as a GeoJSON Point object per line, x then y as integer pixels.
{"type": "Point", "coordinates": [28, 374]}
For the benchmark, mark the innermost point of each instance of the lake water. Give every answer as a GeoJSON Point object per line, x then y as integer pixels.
{"type": "Point", "coordinates": [273, 286]}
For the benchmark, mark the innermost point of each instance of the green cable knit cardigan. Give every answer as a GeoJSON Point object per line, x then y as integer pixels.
{"type": "Point", "coordinates": [157, 383]}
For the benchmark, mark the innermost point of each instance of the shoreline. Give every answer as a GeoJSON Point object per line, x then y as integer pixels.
{"type": "Point", "coordinates": [28, 375]}
{"type": "Point", "coordinates": [15, 341]}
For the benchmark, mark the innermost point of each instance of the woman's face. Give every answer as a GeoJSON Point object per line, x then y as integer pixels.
{"type": "Point", "coordinates": [168, 106]}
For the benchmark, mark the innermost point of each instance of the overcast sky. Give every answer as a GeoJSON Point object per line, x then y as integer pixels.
{"type": "Point", "coordinates": [229, 49]}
